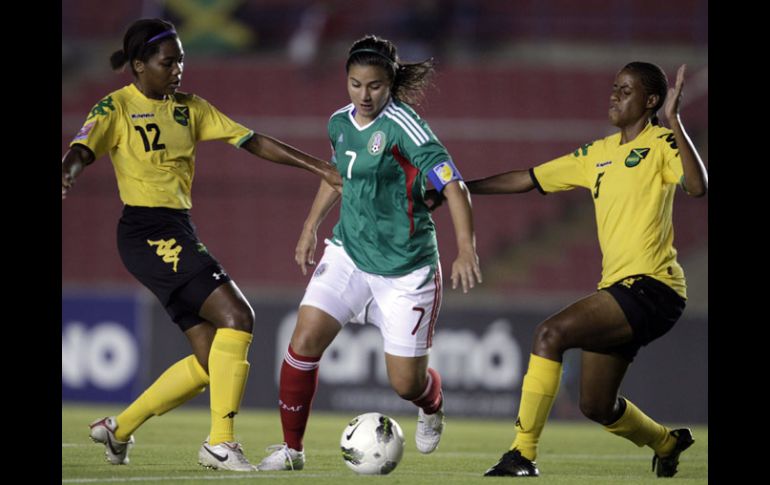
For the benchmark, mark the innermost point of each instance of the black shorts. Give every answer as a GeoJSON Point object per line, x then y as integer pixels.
{"type": "Point", "coordinates": [160, 248]}
{"type": "Point", "coordinates": [651, 307]}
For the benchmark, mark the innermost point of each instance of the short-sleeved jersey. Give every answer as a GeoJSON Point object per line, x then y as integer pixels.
{"type": "Point", "coordinates": [632, 186]}
{"type": "Point", "coordinates": [152, 142]}
{"type": "Point", "coordinates": [384, 223]}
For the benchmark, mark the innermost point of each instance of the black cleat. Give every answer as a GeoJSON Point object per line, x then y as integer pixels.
{"type": "Point", "coordinates": [666, 465]}
{"type": "Point", "coordinates": [512, 464]}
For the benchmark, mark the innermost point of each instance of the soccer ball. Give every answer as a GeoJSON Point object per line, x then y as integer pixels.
{"type": "Point", "coordinates": [372, 444]}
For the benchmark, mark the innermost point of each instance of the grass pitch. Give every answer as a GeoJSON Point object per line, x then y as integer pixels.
{"type": "Point", "coordinates": [166, 452]}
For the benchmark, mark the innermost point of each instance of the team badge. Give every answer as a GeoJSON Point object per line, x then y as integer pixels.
{"type": "Point", "coordinates": [636, 156]}
{"type": "Point", "coordinates": [320, 270]}
{"type": "Point", "coordinates": [376, 142]}
{"type": "Point", "coordinates": [182, 115]}
{"type": "Point", "coordinates": [83, 133]}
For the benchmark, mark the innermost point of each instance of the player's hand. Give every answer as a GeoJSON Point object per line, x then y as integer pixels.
{"type": "Point", "coordinates": [304, 253]}
{"type": "Point", "coordinates": [433, 199]}
{"type": "Point", "coordinates": [466, 270]}
{"type": "Point", "coordinates": [67, 181]}
{"type": "Point", "coordinates": [674, 96]}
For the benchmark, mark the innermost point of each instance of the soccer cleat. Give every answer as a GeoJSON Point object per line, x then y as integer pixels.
{"type": "Point", "coordinates": [103, 431]}
{"type": "Point", "coordinates": [513, 464]}
{"type": "Point", "coordinates": [227, 455]}
{"type": "Point", "coordinates": [429, 429]}
{"type": "Point", "coordinates": [665, 466]}
{"type": "Point", "coordinates": [282, 457]}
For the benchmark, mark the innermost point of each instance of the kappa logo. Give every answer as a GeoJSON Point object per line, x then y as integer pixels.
{"type": "Point", "coordinates": [102, 108]}
{"type": "Point", "coordinates": [518, 423]}
{"type": "Point", "coordinates": [140, 116]}
{"type": "Point", "coordinates": [636, 156]}
{"type": "Point", "coordinates": [604, 164]}
{"type": "Point", "coordinates": [218, 276]}
{"type": "Point", "coordinates": [182, 115]}
{"type": "Point", "coordinates": [376, 142]}
{"type": "Point", "coordinates": [629, 282]}
{"type": "Point", "coordinates": [168, 250]}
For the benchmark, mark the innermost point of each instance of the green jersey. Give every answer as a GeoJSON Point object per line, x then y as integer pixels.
{"type": "Point", "coordinates": [384, 223]}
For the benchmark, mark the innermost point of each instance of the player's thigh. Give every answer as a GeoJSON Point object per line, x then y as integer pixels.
{"type": "Point", "coordinates": [406, 310]}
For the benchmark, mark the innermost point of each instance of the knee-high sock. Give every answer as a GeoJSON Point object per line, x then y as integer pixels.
{"type": "Point", "coordinates": [178, 384]}
{"type": "Point", "coordinates": [431, 399]}
{"type": "Point", "coordinates": [299, 381]}
{"type": "Point", "coordinates": [540, 386]}
{"type": "Point", "coordinates": [228, 371]}
{"type": "Point", "coordinates": [641, 430]}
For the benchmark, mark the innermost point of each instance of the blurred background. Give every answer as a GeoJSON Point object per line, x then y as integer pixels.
{"type": "Point", "coordinates": [518, 82]}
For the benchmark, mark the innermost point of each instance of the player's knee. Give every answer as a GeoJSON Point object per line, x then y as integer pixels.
{"type": "Point", "coordinates": [240, 318]}
{"type": "Point", "coordinates": [598, 411]}
{"type": "Point", "coordinates": [306, 343]}
{"type": "Point", "coordinates": [549, 338]}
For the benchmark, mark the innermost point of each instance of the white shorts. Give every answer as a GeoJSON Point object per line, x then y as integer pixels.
{"type": "Point", "coordinates": [404, 308]}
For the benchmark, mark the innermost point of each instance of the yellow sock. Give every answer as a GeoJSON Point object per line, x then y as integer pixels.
{"type": "Point", "coordinates": [540, 386]}
{"type": "Point", "coordinates": [178, 384]}
{"type": "Point", "coordinates": [228, 369]}
{"type": "Point", "coordinates": [640, 429]}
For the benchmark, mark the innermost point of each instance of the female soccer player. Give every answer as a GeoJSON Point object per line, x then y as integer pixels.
{"type": "Point", "coordinates": [632, 176]}
{"type": "Point", "coordinates": [150, 131]}
{"type": "Point", "coordinates": [381, 265]}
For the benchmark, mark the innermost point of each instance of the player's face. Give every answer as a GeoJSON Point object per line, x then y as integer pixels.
{"type": "Point", "coordinates": [369, 90]}
{"type": "Point", "coordinates": [161, 75]}
{"type": "Point", "coordinates": [628, 102]}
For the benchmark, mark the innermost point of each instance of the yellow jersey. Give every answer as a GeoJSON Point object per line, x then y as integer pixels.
{"type": "Point", "coordinates": [152, 142]}
{"type": "Point", "coordinates": [632, 186]}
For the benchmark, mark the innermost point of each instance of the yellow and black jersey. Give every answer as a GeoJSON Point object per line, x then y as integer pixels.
{"type": "Point", "coordinates": [152, 142]}
{"type": "Point", "coordinates": [632, 185]}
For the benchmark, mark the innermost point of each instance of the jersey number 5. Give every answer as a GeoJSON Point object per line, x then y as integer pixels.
{"type": "Point", "coordinates": [155, 141]}
{"type": "Point", "coordinates": [352, 156]}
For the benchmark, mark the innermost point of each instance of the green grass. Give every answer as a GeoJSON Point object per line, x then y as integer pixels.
{"type": "Point", "coordinates": [167, 449]}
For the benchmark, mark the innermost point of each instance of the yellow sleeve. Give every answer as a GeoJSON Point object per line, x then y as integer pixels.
{"type": "Point", "coordinates": [563, 173]}
{"type": "Point", "coordinates": [99, 132]}
{"type": "Point", "coordinates": [212, 124]}
{"type": "Point", "coordinates": [673, 173]}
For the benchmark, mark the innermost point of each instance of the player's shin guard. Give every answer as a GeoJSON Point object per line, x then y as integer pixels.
{"type": "Point", "coordinates": [431, 399]}
{"type": "Point", "coordinates": [642, 430]}
{"type": "Point", "coordinates": [178, 384]}
{"type": "Point", "coordinates": [299, 380]}
{"type": "Point", "coordinates": [540, 386]}
{"type": "Point", "coordinates": [228, 370]}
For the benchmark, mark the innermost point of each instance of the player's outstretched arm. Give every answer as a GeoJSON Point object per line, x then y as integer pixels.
{"type": "Point", "coordinates": [269, 148]}
{"type": "Point", "coordinates": [304, 254]}
{"type": "Point", "coordinates": [74, 161]}
{"type": "Point", "coordinates": [465, 268]}
{"type": "Point", "coordinates": [513, 182]}
{"type": "Point", "coordinates": [695, 176]}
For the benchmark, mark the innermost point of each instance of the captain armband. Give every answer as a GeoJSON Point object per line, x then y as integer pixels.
{"type": "Point", "coordinates": [444, 173]}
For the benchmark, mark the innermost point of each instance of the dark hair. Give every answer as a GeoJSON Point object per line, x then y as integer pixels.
{"type": "Point", "coordinates": [408, 80]}
{"type": "Point", "coordinates": [142, 41]}
{"type": "Point", "coordinates": [654, 81]}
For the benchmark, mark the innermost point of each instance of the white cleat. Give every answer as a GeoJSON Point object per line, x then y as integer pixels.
{"type": "Point", "coordinates": [227, 455]}
{"type": "Point", "coordinates": [103, 431]}
{"type": "Point", "coordinates": [282, 458]}
{"type": "Point", "coordinates": [429, 429]}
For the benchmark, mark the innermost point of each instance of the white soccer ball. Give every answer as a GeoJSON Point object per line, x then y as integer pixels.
{"type": "Point", "coordinates": [372, 444]}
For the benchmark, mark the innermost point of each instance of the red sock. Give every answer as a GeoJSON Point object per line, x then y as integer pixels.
{"type": "Point", "coordinates": [431, 399]}
{"type": "Point", "coordinates": [299, 380]}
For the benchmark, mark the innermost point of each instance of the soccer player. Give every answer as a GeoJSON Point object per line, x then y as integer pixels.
{"type": "Point", "coordinates": [632, 176]}
{"type": "Point", "coordinates": [381, 265]}
{"type": "Point", "coordinates": [150, 130]}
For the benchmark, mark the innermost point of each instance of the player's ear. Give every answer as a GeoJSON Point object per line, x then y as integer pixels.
{"type": "Point", "coordinates": [138, 66]}
{"type": "Point", "coordinates": [652, 101]}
